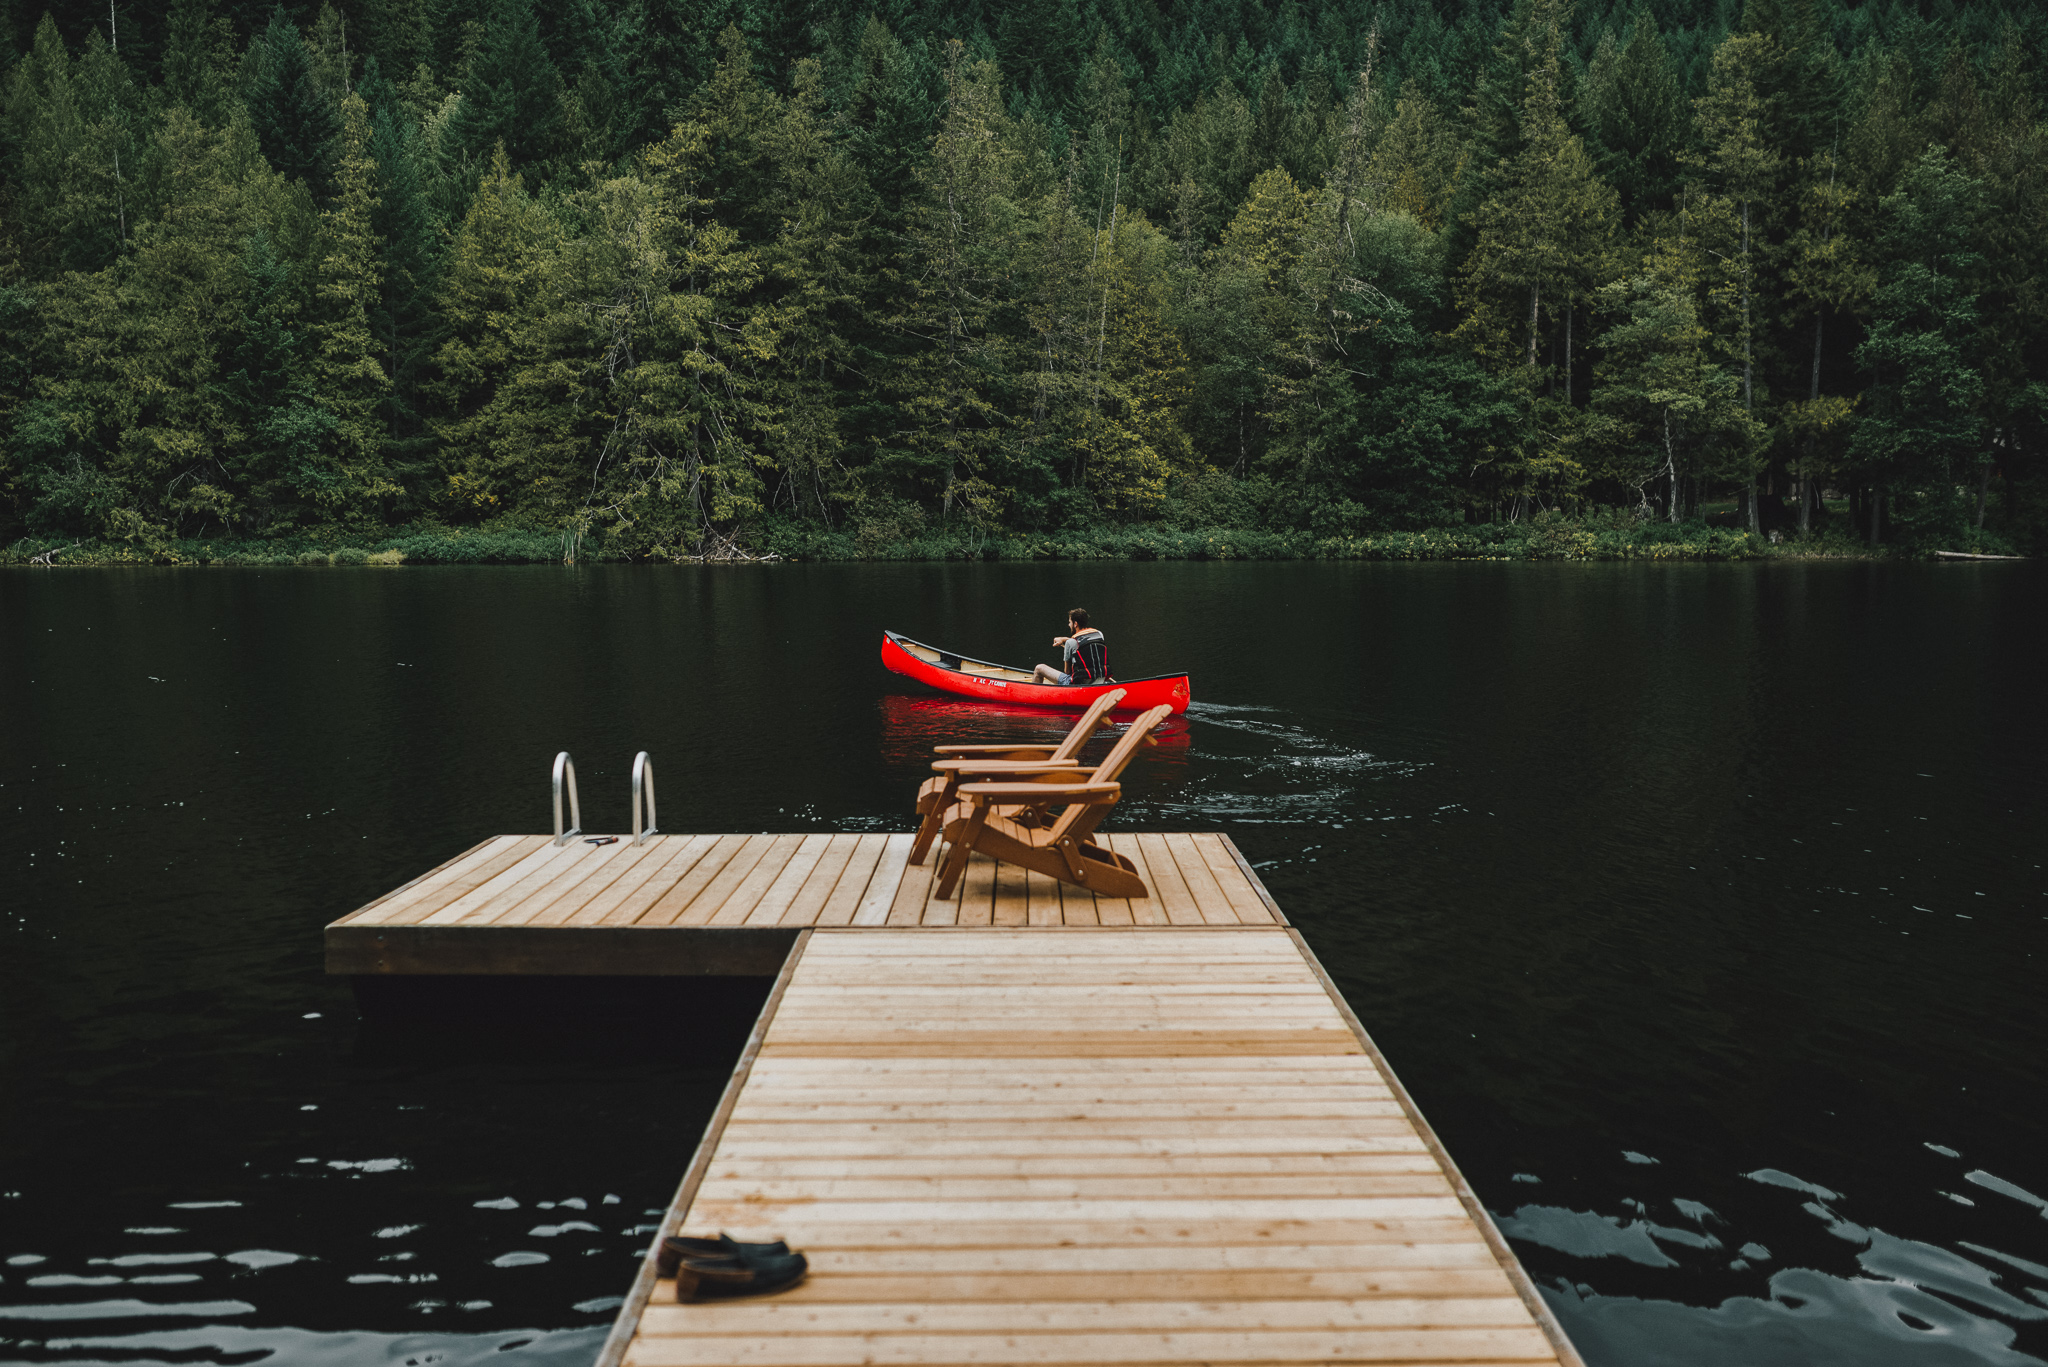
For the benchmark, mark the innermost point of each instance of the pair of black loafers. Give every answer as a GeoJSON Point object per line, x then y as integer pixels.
{"type": "Point", "coordinates": [722, 1268]}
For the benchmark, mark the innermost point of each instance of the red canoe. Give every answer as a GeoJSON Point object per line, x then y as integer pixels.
{"type": "Point", "coordinates": [1003, 683]}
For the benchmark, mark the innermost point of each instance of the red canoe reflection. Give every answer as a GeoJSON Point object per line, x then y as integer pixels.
{"type": "Point", "coordinates": [912, 725]}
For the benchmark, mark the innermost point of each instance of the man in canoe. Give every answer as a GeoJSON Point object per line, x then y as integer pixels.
{"type": "Point", "coordinates": [1084, 652]}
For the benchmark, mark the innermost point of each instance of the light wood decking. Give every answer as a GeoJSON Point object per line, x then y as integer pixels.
{"type": "Point", "coordinates": [802, 880]}
{"type": "Point", "coordinates": [521, 904]}
{"type": "Point", "coordinates": [1072, 1146]}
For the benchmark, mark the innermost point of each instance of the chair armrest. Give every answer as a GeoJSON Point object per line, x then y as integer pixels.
{"type": "Point", "coordinates": [991, 767]}
{"type": "Point", "coordinates": [996, 751]}
{"type": "Point", "coordinates": [1041, 792]}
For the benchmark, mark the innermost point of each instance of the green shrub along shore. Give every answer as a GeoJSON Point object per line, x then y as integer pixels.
{"type": "Point", "coordinates": [1545, 537]}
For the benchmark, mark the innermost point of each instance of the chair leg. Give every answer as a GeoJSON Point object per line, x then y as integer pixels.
{"type": "Point", "coordinates": [927, 832]}
{"type": "Point", "coordinates": [956, 858]}
{"type": "Point", "coordinates": [934, 821]}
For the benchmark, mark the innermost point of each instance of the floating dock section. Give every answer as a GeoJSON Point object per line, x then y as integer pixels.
{"type": "Point", "coordinates": [1027, 1126]}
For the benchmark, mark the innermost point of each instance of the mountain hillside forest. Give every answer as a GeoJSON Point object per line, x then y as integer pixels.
{"type": "Point", "coordinates": [722, 278]}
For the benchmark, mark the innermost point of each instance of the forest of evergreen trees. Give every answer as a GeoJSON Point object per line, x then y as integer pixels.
{"type": "Point", "coordinates": [672, 275]}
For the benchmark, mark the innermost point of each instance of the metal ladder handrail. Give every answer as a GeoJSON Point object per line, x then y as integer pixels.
{"type": "Point", "coordinates": [563, 764]}
{"type": "Point", "coordinates": [643, 782]}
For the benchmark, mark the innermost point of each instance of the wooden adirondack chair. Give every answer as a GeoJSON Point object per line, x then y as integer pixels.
{"type": "Point", "coordinates": [986, 763]}
{"type": "Point", "coordinates": [1062, 849]}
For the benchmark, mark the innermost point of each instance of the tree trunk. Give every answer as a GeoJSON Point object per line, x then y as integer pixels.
{"type": "Point", "coordinates": [1806, 466]}
{"type": "Point", "coordinates": [1748, 365]}
{"type": "Point", "coordinates": [1813, 390]}
{"type": "Point", "coordinates": [1670, 465]}
{"type": "Point", "coordinates": [1983, 491]}
{"type": "Point", "coordinates": [1876, 514]}
{"type": "Point", "coordinates": [1532, 327]}
{"type": "Point", "coordinates": [1568, 311]}
{"type": "Point", "coordinates": [1748, 389]}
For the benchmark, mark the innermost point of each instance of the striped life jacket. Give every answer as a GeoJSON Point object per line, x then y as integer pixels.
{"type": "Point", "coordinates": [1088, 663]}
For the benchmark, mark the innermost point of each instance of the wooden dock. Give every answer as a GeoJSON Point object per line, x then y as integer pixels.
{"type": "Point", "coordinates": [1028, 1126]}
{"type": "Point", "coordinates": [505, 905]}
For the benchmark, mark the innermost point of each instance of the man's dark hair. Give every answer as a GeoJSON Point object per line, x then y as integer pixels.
{"type": "Point", "coordinates": [1078, 616]}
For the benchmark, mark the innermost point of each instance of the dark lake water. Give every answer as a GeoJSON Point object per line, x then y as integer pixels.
{"type": "Point", "coordinates": [1701, 907]}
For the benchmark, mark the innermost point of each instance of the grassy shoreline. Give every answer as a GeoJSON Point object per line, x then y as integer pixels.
{"type": "Point", "coordinates": [1542, 539]}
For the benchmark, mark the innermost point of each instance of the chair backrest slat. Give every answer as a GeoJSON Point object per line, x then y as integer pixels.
{"type": "Point", "coordinates": [1127, 744]}
{"type": "Point", "coordinates": [1080, 819]}
{"type": "Point", "coordinates": [1086, 727]}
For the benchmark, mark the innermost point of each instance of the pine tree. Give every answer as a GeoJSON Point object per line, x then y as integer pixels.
{"type": "Point", "coordinates": [508, 438]}
{"type": "Point", "coordinates": [1740, 169]}
{"type": "Point", "coordinates": [511, 93]}
{"type": "Point", "coordinates": [352, 382]}
{"type": "Point", "coordinates": [2012, 165]}
{"type": "Point", "coordinates": [46, 141]}
{"type": "Point", "coordinates": [1543, 242]}
{"type": "Point", "coordinates": [295, 124]}
{"type": "Point", "coordinates": [675, 356]}
{"type": "Point", "coordinates": [954, 275]}
{"type": "Point", "coordinates": [1924, 344]}
{"type": "Point", "coordinates": [156, 434]}
{"type": "Point", "coordinates": [199, 57]}
{"type": "Point", "coordinates": [1665, 410]}
{"type": "Point", "coordinates": [1415, 162]}
{"type": "Point", "coordinates": [1243, 322]}
{"type": "Point", "coordinates": [402, 318]}
{"type": "Point", "coordinates": [1825, 271]}
{"type": "Point", "coordinates": [1634, 111]}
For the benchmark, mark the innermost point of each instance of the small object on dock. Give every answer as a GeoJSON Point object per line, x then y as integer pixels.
{"type": "Point", "coordinates": [601, 840]}
{"type": "Point", "coordinates": [727, 1278]}
{"type": "Point", "coordinates": [678, 1247]}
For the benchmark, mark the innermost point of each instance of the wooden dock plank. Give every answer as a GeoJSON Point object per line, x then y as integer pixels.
{"type": "Point", "coordinates": [578, 882]}
{"type": "Point", "coordinates": [473, 866]}
{"type": "Point", "coordinates": [808, 905]}
{"type": "Point", "coordinates": [1142, 1261]}
{"type": "Point", "coordinates": [1201, 881]}
{"type": "Point", "coordinates": [1169, 889]}
{"type": "Point", "coordinates": [675, 900]}
{"type": "Point", "coordinates": [906, 908]}
{"type": "Point", "coordinates": [1011, 905]}
{"type": "Point", "coordinates": [716, 891]}
{"type": "Point", "coordinates": [628, 899]}
{"type": "Point", "coordinates": [855, 881]}
{"type": "Point", "coordinates": [1068, 1316]}
{"type": "Point", "coordinates": [788, 881]}
{"type": "Point", "coordinates": [1150, 910]}
{"type": "Point", "coordinates": [1464, 1346]}
{"type": "Point", "coordinates": [734, 899]}
{"type": "Point", "coordinates": [481, 904]}
{"type": "Point", "coordinates": [879, 896]}
{"type": "Point", "coordinates": [1242, 896]}
{"type": "Point", "coordinates": [1008, 904]}
{"type": "Point", "coordinates": [847, 1278]}
{"type": "Point", "coordinates": [1186, 1153]}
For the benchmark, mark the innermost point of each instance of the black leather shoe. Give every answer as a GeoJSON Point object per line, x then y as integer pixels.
{"type": "Point", "coordinates": [680, 1246]}
{"type": "Point", "coordinates": [707, 1279]}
